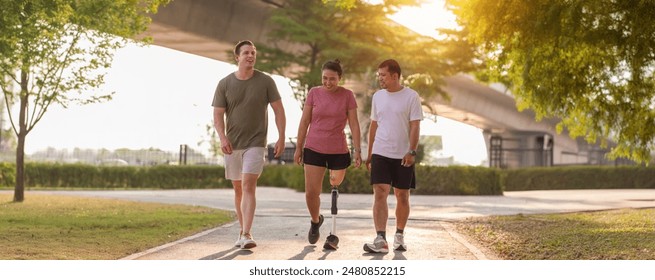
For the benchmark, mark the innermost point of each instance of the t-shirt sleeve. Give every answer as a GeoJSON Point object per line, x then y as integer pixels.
{"type": "Point", "coordinates": [273, 93]}
{"type": "Point", "coordinates": [374, 115]}
{"type": "Point", "coordinates": [416, 112]}
{"type": "Point", "coordinates": [219, 95]}
{"type": "Point", "coordinates": [352, 103]}
{"type": "Point", "coordinates": [309, 101]}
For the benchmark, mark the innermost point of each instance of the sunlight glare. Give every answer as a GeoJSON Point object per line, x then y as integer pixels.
{"type": "Point", "coordinates": [427, 18]}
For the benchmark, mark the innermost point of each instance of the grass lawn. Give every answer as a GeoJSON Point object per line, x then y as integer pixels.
{"type": "Point", "coordinates": [604, 235]}
{"type": "Point", "coordinates": [54, 227]}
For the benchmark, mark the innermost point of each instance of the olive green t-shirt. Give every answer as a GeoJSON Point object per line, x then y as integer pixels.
{"type": "Point", "coordinates": [246, 108]}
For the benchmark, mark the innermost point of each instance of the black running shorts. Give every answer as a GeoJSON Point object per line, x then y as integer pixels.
{"type": "Point", "coordinates": [390, 171]}
{"type": "Point", "coordinates": [331, 161]}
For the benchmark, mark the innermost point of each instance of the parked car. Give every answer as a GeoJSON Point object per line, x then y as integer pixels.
{"type": "Point", "coordinates": [286, 157]}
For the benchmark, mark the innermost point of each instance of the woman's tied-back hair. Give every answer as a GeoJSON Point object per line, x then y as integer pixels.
{"type": "Point", "coordinates": [334, 65]}
{"type": "Point", "coordinates": [391, 65]}
{"type": "Point", "coordinates": [237, 48]}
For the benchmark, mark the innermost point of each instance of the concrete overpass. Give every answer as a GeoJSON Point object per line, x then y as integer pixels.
{"type": "Point", "coordinates": [210, 28]}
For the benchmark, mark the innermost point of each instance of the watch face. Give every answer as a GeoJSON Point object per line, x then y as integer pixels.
{"type": "Point", "coordinates": [412, 152]}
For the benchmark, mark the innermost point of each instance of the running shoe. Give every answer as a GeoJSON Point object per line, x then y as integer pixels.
{"type": "Point", "coordinates": [399, 242]}
{"type": "Point", "coordinates": [379, 245]}
{"type": "Point", "coordinates": [314, 231]}
{"type": "Point", "coordinates": [247, 242]}
{"type": "Point", "coordinates": [238, 242]}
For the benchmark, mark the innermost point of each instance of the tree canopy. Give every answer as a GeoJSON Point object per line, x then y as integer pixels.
{"type": "Point", "coordinates": [56, 51]}
{"type": "Point", "coordinates": [590, 63]}
{"type": "Point", "coordinates": [360, 35]}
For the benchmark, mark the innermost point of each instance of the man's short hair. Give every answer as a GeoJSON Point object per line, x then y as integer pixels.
{"type": "Point", "coordinates": [237, 48]}
{"type": "Point", "coordinates": [391, 65]}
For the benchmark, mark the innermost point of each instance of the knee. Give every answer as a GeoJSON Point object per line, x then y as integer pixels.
{"type": "Point", "coordinates": [337, 176]}
{"type": "Point", "coordinates": [402, 196]}
{"type": "Point", "coordinates": [380, 192]}
{"type": "Point", "coordinates": [237, 187]}
{"type": "Point", "coordinates": [312, 193]}
{"type": "Point", "coordinates": [248, 188]}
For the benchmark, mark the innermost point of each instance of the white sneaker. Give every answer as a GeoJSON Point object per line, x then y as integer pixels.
{"type": "Point", "coordinates": [247, 242]}
{"type": "Point", "coordinates": [399, 242]}
{"type": "Point", "coordinates": [238, 242]}
{"type": "Point", "coordinates": [379, 245]}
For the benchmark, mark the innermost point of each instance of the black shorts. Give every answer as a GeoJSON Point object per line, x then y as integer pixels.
{"type": "Point", "coordinates": [331, 161]}
{"type": "Point", "coordinates": [389, 171]}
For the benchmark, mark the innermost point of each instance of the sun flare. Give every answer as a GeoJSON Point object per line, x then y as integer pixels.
{"type": "Point", "coordinates": [426, 18]}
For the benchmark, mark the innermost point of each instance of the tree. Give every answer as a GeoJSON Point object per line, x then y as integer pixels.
{"type": "Point", "coordinates": [319, 32]}
{"type": "Point", "coordinates": [360, 35]}
{"type": "Point", "coordinates": [56, 51]}
{"type": "Point", "coordinates": [589, 63]}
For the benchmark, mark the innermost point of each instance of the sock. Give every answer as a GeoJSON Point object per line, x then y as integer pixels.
{"type": "Point", "coordinates": [400, 231]}
{"type": "Point", "coordinates": [383, 234]}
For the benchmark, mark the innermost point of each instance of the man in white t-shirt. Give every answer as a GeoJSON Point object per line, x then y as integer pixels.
{"type": "Point", "coordinates": [393, 138]}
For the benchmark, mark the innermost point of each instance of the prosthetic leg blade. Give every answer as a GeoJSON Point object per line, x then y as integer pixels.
{"type": "Point", "coordinates": [332, 241]}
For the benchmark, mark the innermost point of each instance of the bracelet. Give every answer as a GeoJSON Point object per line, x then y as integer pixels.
{"type": "Point", "coordinates": [357, 150]}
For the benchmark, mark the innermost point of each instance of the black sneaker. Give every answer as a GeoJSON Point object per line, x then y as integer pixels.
{"type": "Point", "coordinates": [314, 232]}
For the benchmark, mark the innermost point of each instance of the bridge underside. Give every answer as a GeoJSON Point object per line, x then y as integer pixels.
{"type": "Point", "coordinates": [210, 28]}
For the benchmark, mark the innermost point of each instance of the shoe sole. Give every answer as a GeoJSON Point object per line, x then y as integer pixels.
{"type": "Point", "coordinates": [318, 234]}
{"type": "Point", "coordinates": [371, 250]}
{"type": "Point", "coordinates": [329, 247]}
{"type": "Point", "coordinates": [400, 248]}
{"type": "Point", "coordinates": [331, 243]}
{"type": "Point", "coordinates": [249, 245]}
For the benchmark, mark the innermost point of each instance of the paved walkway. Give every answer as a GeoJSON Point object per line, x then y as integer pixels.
{"type": "Point", "coordinates": [281, 222]}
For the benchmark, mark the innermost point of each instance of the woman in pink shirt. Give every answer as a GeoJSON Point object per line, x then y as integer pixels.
{"type": "Point", "coordinates": [322, 142]}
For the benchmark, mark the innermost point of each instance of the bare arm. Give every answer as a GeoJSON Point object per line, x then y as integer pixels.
{"type": "Point", "coordinates": [414, 132]}
{"type": "Point", "coordinates": [219, 125]}
{"type": "Point", "coordinates": [371, 138]}
{"type": "Point", "coordinates": [353, 122]}
{"type": "Point", "coordinates": [305, 120]}
{"type": "Point", "coordinates": [281, 124]}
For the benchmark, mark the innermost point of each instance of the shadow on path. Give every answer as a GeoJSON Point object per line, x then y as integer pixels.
{"type": "Point", "coordinates": [228, 254]}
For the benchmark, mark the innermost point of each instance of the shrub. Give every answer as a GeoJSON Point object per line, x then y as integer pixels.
{"type": "Point", "coordinates": [580, 177]}
{"type": "Point", "coordinates": [431, 180]}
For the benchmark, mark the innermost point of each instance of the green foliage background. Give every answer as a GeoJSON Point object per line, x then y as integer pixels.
{"type": "Point", "coordinates": [588, 62]}
{"type": "Point", "coordinates": [431, 180]}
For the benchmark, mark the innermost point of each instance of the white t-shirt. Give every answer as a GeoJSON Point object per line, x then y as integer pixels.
{"type": "Point", "coordinates": [393, 111]}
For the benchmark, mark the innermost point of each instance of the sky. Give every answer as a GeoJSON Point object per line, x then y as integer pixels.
{"type": "Point", "coordinates": [163, 99]}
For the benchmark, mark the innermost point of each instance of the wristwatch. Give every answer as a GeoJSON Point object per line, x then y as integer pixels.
{"type": "Point", "coordinates": [412, 152]}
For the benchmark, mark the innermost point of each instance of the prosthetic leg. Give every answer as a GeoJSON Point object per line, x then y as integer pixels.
{"type": "Point", "coordinates": [332, 241]}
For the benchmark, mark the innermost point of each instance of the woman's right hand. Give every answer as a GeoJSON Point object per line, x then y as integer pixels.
{"type": "Point", "coordinates": [297, 156]}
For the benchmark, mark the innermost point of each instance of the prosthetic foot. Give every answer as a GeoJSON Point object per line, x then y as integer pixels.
{"type": "Point", "coordinates": [332, 241]}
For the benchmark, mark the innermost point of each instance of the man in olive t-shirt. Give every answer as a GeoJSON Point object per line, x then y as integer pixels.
{"type": "Point", "coordinates": [240, 117]}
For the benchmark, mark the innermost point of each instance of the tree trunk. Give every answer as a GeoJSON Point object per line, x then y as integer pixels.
{"type": "Point", "coordinates": [19, 190]}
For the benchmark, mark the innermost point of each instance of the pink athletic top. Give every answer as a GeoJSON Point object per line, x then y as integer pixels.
{"type": "Point", "coordinates": [329, 118]}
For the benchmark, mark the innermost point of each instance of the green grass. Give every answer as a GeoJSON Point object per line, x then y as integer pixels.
{"type": "Point", "coordinates": [605, 235]}
{"type": "Point", "coordinates": [53, 227]}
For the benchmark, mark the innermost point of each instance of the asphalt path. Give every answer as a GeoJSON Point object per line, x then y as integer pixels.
{"type": "Point", "coordinates": [282, 221]}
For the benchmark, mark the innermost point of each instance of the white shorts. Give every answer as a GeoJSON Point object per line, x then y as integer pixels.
{"type": "Point", "coordinates": [249, 161]}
